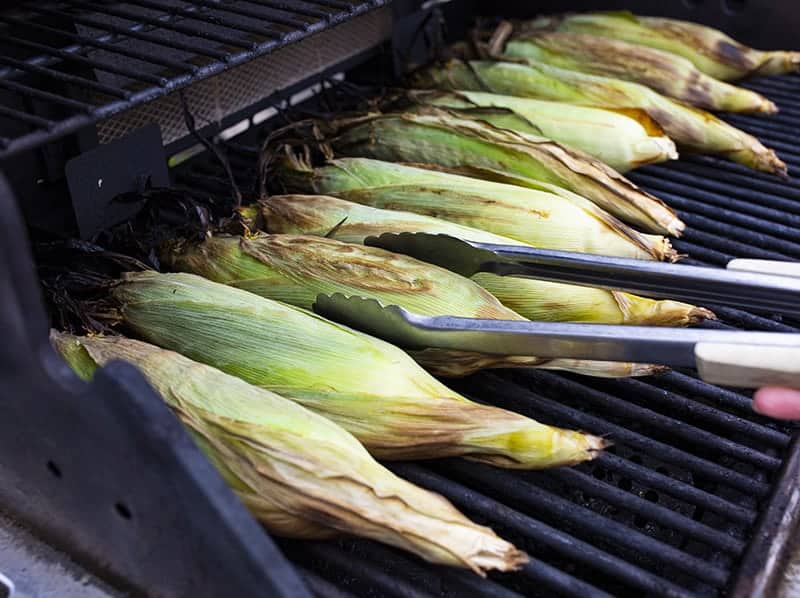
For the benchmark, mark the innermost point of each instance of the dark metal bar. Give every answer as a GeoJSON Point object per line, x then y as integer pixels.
{"type": "Point", "coordinates": [213, 19]}
{"type": "Point", "coordinates": [134, 32]}
{"type": "Point", "coordinates": [773, 192]}
{"type": "Point", "coordinates": [699, 254]}
{"type": "Point", "coordinates": [89, 62]}
{"type": "Point", "coordinates": [733, 248]}
{"type": "Point", "coordinates": [83, 41]}
{"type": "Point", "coordinates": [234, 9]}
{"type": "Point", "coordinates": [517, 399]}
{"type": "Point", "coordinates": [292, 7]}
{"type": "Point", "coordinates": [772, 131]}
{"type": "Point", "coordinates": [696, 222]}
{"type": "Point", "coordinates": [738, 205]}
{"type": "Point", "coordinates": [676, 488]}
{"type": "Point", "coordinates": [165, 24]}
{"type": "Point", "coordinates": [649, 510]}
{"type": "Point", "coordinates": [385, 584]}
{"type": "Point", "coordinates": [678, 406]}
{"type": "Point", "coordinates": [30, 119]}
{"type": "Point", "coordinates": [764, 562]}
{"type": "Point", "coordinates": [743, 319]}
{"type": "Point", "coordinates": [674, 428]}
{"type": "Point", "coordinates": [585, 522]}
{"type": "Point", "coordinates": [576, 550]}
{"type": "Point", "coordinates": [59, 76]}
{"type": "Point", "coordinates": [44, 95]}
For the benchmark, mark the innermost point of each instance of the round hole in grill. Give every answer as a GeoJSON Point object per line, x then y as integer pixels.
{"type": "Point", "coordinates": [651, 495]}
{"type": "Point", "coordinates": [640, 521]}
{"type": "Point", "coordinates": [54, 469]}
{"type": "Point", "coordinates": [122, 510]}
{"type": "Point", "coordinates": [625, 484]}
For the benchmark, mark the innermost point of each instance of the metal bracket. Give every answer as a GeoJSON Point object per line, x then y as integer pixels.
{"type": "Point", "coordinates": [131, 163]}
{"type": "Point", "coordinates": [105, 472]}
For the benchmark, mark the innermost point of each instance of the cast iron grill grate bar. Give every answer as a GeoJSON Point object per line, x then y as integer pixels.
{"type": "Point", "coordinates": [691, 462]}
{"type": "Point", "coordinates": [199, 39]}
{"type": "Point", "coordinates": [82, 41]}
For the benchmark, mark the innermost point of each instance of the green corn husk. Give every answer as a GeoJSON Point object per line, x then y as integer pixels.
{"type": "Point", "coordinates": [444, 139]}
{"type": "Point", "coordinates": [540, 218]}
{"type": "Point", "coordinates": [692, 129]}
{"type": "Point", "coordinates": [667, 73]}
{"type": "Point", "coordinates": [335, 218]}
{"type": "Point", "coordinates": [533, 299]}
{"type": "Point", "coordinates": [710, 50]}
{"type": "Point", "coordinates": [369, 387]}
{"type": "Point", "coordinates": [622, 140]}
{"type": "Point", "coordinates": [295, 269]}
{"type": "Point", "coordinates": [300, 474]}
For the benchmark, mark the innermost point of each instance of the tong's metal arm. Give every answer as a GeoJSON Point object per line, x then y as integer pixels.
{"type": "Point", "coordinates": [744, 287]}
{"type": "Point", "coordinates": [735, 358]}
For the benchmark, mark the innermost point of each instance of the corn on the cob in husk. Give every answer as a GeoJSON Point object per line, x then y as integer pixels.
{"type": "Point", "coordinates": [299, 473]}
{"type": "Point", "coordinates": [335, 218]}
{"type": "Point", "coordinates": [672, 75]}
{"type": "Point", "coordinates": [541, 218]}
{"type": "Point", "coordinates": [710, 50]}
{"type": "Point", "coordinates": [442, 138]}
{"type": "Point", "coordinates": [533, 299]}
{"type": "Point", "coordinates": [295, 269]}
{"type": "Point", "coordinates": [369, 387]}
{"type": "Point", "coordinates": [621, 140]}
{"type": "Point", "coordinates": [691, 128]}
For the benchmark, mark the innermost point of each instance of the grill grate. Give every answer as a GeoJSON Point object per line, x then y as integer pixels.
{"type": "Point", "coordinates": [92, 61]}
{"type": "Point", "coordinates": [671, 508]}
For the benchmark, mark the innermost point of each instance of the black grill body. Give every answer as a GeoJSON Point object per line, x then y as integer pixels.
{"type": "Point", "coordinates": [696, 498]}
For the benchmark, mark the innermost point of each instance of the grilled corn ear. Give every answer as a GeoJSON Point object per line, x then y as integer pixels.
{"type": "Point", "coordinates": [667, 73]}
{"type": "Point", "coordinates": [623, 141]}
{"type": "Point", "coordinates": [541, 300]}
{"type": "Point", "coordinates": [692, 129]}
{"type": "Point", "coordinates": [533, 299]}
{"type": "Point", "coordinates": [296, 268]}
{"type": "Point", "coordinates": [443, 138]}
{"type": "Point", "coordinates": [300, 474]}
{"type": "Point", "coordinates": [369, 387]}
{"type": "Point", "coordinates": [710, 50]}
{"type": "Point", "coordinates": [552, 218]}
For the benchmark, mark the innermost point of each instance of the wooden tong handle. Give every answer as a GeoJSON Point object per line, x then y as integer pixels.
{"type": "Point", "coordinates": [748, 367]}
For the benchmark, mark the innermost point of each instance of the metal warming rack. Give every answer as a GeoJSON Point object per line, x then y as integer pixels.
{"type": "Point", "coordinates": [696, 498]}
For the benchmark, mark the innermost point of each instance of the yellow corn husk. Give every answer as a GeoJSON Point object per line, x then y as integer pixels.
{"type": "Point", "coordinates": [541, 300]}
{"type": "Point", "coordinates": [535, 299]}
{"type": "Point", "coordinates": [667, 73]}
{"type": "Point", "coordinates": [295, 269]}
{"type": "Point", "coordinates": [710, 50]}
{"type": "Point", "coordinates": [555, 218]}
{"type": "Point", "coordinates": [301, 474]}
{"type": "Point", "coordinates": [444, 139]}
{"type": "Point", "coordinates": [692, 129]}
{"type": "Point", "coordinates": [623, 141]}
{"type": "Point", "coordinates": [369, 387]}
{"type": "Point", "coordinates": [335, 218]}
{"type": "Point", "coordinates": [456, 364]}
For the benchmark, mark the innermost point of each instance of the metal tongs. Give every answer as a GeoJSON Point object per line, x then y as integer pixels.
{"type": "Point", "coordinates": [728, 357]}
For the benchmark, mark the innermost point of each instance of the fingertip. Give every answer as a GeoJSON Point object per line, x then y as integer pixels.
{"type": "Point", "coordinates": [777, 402]}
